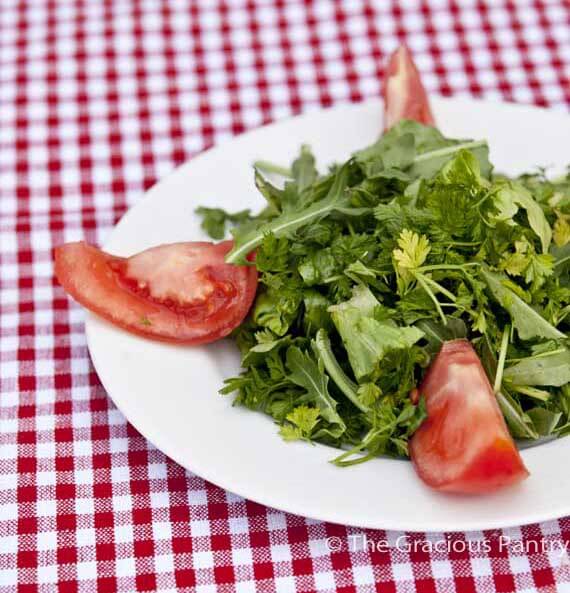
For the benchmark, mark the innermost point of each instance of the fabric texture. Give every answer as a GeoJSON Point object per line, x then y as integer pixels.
{"type": "Point", "coordinates": [98, 100]}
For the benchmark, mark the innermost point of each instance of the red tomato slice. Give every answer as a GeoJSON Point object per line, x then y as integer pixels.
{"type": "Point", "coordinates": [182, 292]}
{"type": "Point", "coordinates": [404, 94]}
{"type": "Point", "coordinates": [464, 445]}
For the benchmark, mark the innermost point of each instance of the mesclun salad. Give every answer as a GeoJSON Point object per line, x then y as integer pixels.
{"type": "Point", "coordinates": [408, 302]}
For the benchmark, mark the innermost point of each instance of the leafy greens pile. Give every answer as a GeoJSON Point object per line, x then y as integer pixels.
{"type": "Point", "coordinates": [366, 270]}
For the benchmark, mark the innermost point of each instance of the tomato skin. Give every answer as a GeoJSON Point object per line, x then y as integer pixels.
{"type": "Point", "coordinates": [404, 94]}
{"type": "Point", "coordinates": [215, 296]}
{"type": "Point", "coordinates": [463, 446]}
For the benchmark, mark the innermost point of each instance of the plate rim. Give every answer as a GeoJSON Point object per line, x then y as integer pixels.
{"type": "Point", "coordinates": [215, 477]}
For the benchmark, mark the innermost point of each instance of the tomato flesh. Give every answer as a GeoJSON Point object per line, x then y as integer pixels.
{"type": "Point", "coordinates": [464, 445]}
{"type": "Point", "coordinates": [404, 94]}
{"type": "Point", "coordinates": [179, 292]}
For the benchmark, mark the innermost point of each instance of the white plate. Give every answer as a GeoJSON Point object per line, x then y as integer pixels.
{"type": "Point", "coordinates": [170, 394]}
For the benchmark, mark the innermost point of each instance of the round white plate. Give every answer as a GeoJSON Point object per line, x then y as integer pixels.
{"type": "Point", "coordinates": [170, 393]}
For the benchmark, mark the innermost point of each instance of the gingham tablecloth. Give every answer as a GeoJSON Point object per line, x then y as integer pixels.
{"type": "Point", "coordinates": [99, 99]}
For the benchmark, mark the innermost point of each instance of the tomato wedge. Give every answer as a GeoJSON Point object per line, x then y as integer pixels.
{"type": "Point", "coordinates": [404, 94]}
{"type": "Point", "coordinates": [464, 445]}
{"type": "Point", "coordinates": [181, 292]}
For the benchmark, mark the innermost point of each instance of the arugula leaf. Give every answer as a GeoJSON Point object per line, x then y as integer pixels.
{"type": "Point", "coordinates": [436, 333]}
{"type": "Point", "coordinates": [215, 220]}
{"type": "Point", "coordinates": [303, 169]}
{"type": "Point", "coordinates": [288, 222]}
{"type": "Point", "coordinates": [426, 138]}
{"type": "Point", "coordinates": [322, 347]}
{"type": "Point", "coordinates": [305, 373]}
{"type": "Point", "coordinates": [552, 368]}
{"type": "Point", "coordinates": [520, 424]}
{"type": "Point", "coordinates": [397, 147]}
{"type": "Point", "coordinates": [388, 158]}
{"type": "Point", "coordinates": [410, 150]}
{"type": "Point", "coordinates": [545, 421]}
{"type": "Point", "coordinates": [272, 194]}
{"type": "Point", "coordinates": [527, 321]}
{"type": "Point", "coordinates": [429, 163]}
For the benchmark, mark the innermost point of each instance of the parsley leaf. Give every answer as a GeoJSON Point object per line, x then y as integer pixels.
{"type": "Point", "coordinates": [302, 420]}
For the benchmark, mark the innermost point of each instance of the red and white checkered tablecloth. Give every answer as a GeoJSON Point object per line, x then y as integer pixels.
{"type": "Point", "coordinates": [99, 99]}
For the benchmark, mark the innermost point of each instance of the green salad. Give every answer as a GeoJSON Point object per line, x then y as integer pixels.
{"type": "Point", "coordinates": [365, 270]}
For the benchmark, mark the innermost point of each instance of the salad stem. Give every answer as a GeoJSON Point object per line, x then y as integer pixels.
{"type": "Point", "coordinates": [322, 345]}
{"type": "Point", "coordinates": [441, 288]}
{"type": "Point", "coordinates": [541, 355]}
{"type": "Point", "coordinates": [502, 358]}
{"type": "Point", "coordinates": [449, 150]}
{"type": "Point", "coordinates": [435, 267]}
{"type": "Point", "coordinates": [539, 394]}
{"type": "Point", "coordinates": [421, 279]}
{"type": "Point", "coordinates": [561, 261]}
